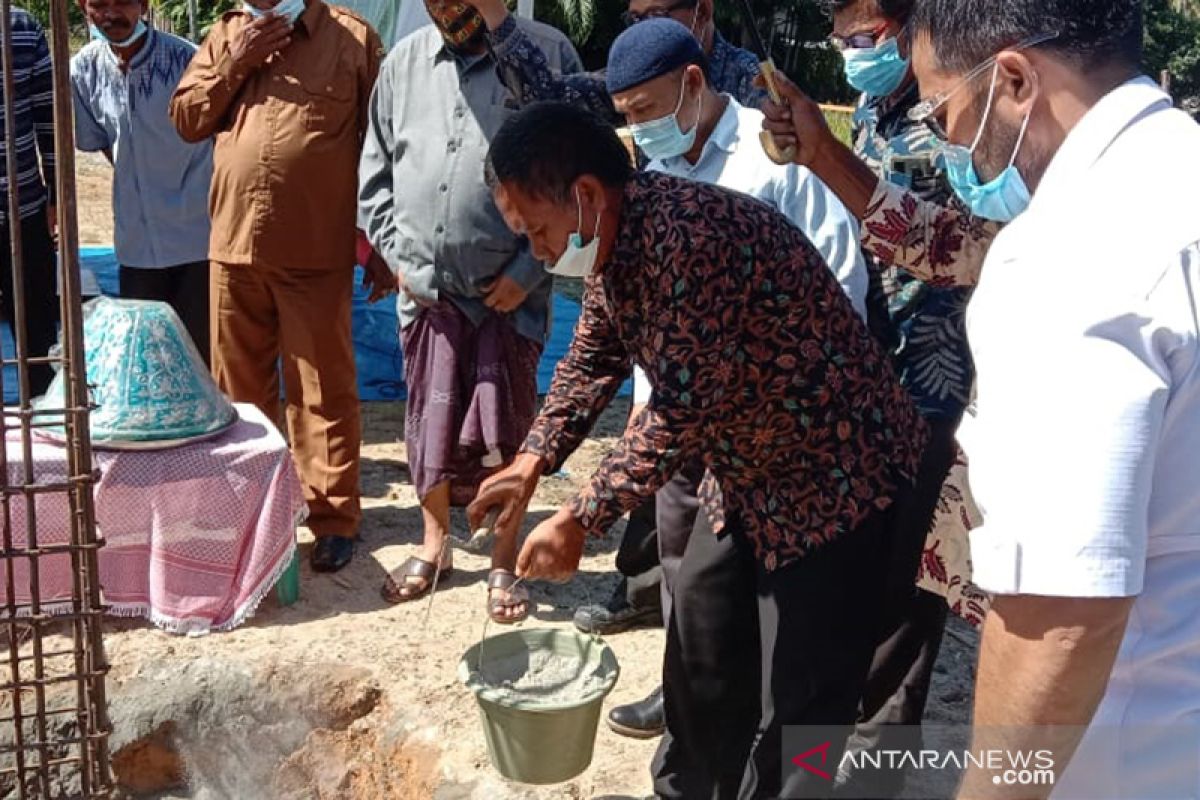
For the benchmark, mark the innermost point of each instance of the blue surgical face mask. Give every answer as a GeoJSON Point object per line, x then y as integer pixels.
{"type": "Point", "coordinates": [662, 138]}
{"type": "Point", "coordinates": [288, 9]}
{"type": "Point", "coordinates": [139, 31]}
{"type": "Point", "coordinates": [1000, 199]}
{"type": "Point", "coordinates": [876, 71]}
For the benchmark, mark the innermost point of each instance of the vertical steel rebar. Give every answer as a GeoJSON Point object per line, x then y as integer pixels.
{"type": "Point", "coordinates": [85, 748]}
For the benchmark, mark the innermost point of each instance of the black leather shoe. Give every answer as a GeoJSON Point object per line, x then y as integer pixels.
{"type": "Point", "coordinates": [642, 720]}
{"type": "Point", "coordinates": [616, 615]}
{"type": "Point", "coordinates": [331, 553]}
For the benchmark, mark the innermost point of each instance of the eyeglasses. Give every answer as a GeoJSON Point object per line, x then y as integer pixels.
{"type": "Point", "coordinates": [924, 111]}
{"type": "Point", "coordinates": [863, 40]}
{"type": "Point", "coordinates": [630, 18]}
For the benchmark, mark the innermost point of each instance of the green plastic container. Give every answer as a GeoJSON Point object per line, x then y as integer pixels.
{"type": "Point", "coordinates": [287, 589]}
{"type": "Point", "coordinates": [535, 742]}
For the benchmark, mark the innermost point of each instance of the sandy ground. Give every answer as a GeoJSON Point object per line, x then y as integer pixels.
{"type": "Point", "coordinates": [341, 619]}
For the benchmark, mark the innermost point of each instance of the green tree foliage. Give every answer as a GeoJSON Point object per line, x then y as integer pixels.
{"type": "Point", "coordinates": [1173, 44]}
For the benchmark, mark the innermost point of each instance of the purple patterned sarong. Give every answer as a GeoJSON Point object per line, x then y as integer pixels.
{"type": "Point", "coordinates": [472, 396]}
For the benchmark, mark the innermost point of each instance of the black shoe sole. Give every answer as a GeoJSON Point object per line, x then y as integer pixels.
{"type": "Point", "coordinates": [648, 618]}
{"type": "Point", "coordinates": [635, 733]}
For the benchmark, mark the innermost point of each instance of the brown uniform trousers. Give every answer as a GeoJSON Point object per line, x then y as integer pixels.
{"type": "Point", "coordinates": [261, 316]}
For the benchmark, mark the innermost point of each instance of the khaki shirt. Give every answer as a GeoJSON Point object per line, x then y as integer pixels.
{"type": "Point", "coordinates": [287, 139]}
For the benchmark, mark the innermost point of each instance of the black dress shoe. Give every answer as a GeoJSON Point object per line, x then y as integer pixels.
{"type": "Point", "coordinates": [331, 553]}
{"type": "Point", "coordinates": [616, 615]}
{"type": "Point", "coordinates": [642, 720]}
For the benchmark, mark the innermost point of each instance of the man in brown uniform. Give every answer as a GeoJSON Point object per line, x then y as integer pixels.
{"type": "Point", "coordinates": [283, 86]}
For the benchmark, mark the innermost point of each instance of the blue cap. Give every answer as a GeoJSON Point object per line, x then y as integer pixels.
{"type": "Point", "coordinates": [651, 48]}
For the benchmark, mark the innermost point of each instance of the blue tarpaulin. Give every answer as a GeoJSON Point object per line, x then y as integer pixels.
{"type": "Point", "coordinates": [376, 343]}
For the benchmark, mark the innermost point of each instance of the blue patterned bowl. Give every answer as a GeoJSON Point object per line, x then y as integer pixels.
{"type": "Point", "coordinates": [147, 382]}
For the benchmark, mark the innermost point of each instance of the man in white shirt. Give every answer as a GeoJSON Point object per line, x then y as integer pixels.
{"type": "Point", "coordinates": [657, 77]}
{"type": "Point", "coordinates": [1091, 534]}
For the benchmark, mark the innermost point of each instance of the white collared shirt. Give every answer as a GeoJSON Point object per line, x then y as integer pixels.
{"type": "Point", "coordinates": [733, 158]}
{"type": "Point", "coordinates": [1084, 448]}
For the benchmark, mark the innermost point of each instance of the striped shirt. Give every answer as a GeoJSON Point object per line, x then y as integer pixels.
{"type": "Point", "coordinates": [33, 119]}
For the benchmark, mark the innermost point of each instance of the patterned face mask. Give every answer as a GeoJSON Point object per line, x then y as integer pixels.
{"type": "Point", "coordinates": [458, 22]}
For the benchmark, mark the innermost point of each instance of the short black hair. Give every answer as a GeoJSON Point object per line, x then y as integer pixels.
{"type": "Point", "coordinates": [545, 147]}
{"type": "Point", "coordinates": [898, 10]}
{"type": "Point", "coordinates": [1089, 33]}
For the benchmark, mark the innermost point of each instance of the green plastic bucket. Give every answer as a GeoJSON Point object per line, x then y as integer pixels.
{"type": "Point", "coordinates": [534, 741]}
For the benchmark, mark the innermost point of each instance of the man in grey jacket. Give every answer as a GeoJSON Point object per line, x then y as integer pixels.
{"type": "Point", "coordinates": [474, 302]}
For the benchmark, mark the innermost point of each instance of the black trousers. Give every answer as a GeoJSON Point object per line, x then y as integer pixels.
{"type": "Point", "coordinates": [637, 557]}
{"type": "Point", "coordinates": [39, 290]}
{"type": "Point", "coordinates": [747, 655]}
{"type": "Point", "coordinates": [902, 668]}
{"type": "Point", "coordinates": [184, 287]}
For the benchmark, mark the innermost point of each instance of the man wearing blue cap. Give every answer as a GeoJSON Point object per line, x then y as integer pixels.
{"type": "Point", "coordinates": [658, 79]}
{"type": "Point", "coordinates": [732, 70]}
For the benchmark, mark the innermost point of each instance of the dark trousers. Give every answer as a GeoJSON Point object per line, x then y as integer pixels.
{"type": "Point", "coordinates": [637, 558]}
{"type": "Point", "coordinates": [39, 290]}
{"type": "Point", "coordinates": [747, 655]}
{"type": "Point", "coordinates": [183, 287]}
{"type": "Point", "coordinates": [902, 668]}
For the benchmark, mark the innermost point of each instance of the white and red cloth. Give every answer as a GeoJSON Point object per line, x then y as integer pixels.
{"type": "Point", "coordinates": [195, 536]}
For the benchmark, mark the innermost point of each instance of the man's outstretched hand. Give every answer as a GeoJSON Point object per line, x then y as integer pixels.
{"type": "Point", "coordinates": [507, 492]}
{"type": "Point", "coordinates": [553, 549]}
{"type": "Point", "coordinates": [796, 121]}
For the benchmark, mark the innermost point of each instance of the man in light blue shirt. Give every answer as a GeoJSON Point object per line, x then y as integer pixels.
{"type": "Point", "coordinates": [658, 78]}
{"type": "Point", "coordinates": [122, 82]}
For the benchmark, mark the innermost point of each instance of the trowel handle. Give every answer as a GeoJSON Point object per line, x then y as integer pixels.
{"type": "Point", "coordinates": [774, 152]}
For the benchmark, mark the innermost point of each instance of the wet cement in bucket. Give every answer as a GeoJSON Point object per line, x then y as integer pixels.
{"type": "Point", "coordinates": [538, 677]}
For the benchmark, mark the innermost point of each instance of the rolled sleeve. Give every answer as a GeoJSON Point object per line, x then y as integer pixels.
{"type": "Point", "coordinates": [526, 270]}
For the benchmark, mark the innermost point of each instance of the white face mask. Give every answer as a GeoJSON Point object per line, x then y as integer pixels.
{"type": "Point", "coordinates": [579, 259]}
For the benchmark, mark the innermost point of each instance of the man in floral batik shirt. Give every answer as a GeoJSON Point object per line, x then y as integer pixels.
{"type": "Point", "coordinates": [762, 371]}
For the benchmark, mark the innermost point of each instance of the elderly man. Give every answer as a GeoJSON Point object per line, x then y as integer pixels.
{"type": "Point", "coordinates": [1096, 620]}
{"type": "Point", "coordinates": [474, 304]}
{"type": "Point", "coordinates": [732, 70]}
{"type": "Point", "coordinates": [762, 372]}
{"type": "Point", "coordinates": [122, 83]}
{"type": "Point", "coordinates": [657, 76]}
{"type": "Point", "coordinates": [32, 128]}
{"type": "Point", "coordinates": [283, 87]}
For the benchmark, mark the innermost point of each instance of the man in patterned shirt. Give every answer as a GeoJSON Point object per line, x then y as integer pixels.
{"type": "Point", "coordinates": [732, 70]}
{"type": "Point", "coordinates": [32, 129]}
{"type": "Point", "coordinates": [762, 371]}
{"type": "Point", "coordinates": [523, 66]}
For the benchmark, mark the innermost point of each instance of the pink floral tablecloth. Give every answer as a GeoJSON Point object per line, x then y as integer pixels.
{"type": "Point", "coordinates": [195, 536]}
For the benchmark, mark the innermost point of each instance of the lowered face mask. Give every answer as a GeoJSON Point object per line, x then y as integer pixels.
{"type": "Point", "coordinates": [579, 259]}
{"type": "Point", "coordinates": [288, 9]}
{"type": "Point", "coordinates": [1004, 197]}
{"type": "Point", "coordinates": [662, 138]}
{"type": "Point", "coordinates": [139, 31]}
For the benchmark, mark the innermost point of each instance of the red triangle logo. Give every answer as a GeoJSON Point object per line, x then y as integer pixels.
{"type": "Point", "coordinates": [801, 760]}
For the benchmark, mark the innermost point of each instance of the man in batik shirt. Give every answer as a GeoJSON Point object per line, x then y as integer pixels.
{"type": "Point", "coordinates": [524, 68]}
{"type": "Point", "coordinates": [762, 371]}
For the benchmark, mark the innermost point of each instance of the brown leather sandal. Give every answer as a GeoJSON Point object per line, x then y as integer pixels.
{"type": "Point", "coordinates": [503, 579]}
{"type": "Point", "coordinates": [399, 589]}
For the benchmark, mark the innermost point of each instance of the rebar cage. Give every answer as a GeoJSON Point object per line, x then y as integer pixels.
{"type": "Point", "coordinates": [53, 720]}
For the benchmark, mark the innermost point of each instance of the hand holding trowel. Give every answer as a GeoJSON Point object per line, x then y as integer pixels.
{"type": "Point", "coordinates": [766, 68]}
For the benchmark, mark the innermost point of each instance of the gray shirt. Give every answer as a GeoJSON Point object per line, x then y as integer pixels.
{"type": "Point", "coordinates": [422, 198]}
